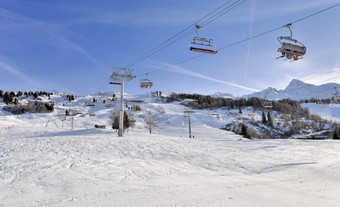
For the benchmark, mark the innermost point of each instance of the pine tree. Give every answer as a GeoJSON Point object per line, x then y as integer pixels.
{"type": "Point", "coordinates": [336, 134]}
{"type": "Point", "coordinates": [6, 98]}
{"type": "Point", "coordinates": [264, 120]}
{"type": "Point", "coordinates": [244, 131]}
{"type": "Point", "coordinates": [126, 121]}
{"type": "Point", "coordinates": [269, 120]}
{"type": "Point", "coordinates": [115, 124]}
{"type": "Point", "coordinates": [49, 106]}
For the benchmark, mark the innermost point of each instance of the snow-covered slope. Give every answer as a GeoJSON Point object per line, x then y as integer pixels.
{"type": "Point", "coordinates": [45, 163]}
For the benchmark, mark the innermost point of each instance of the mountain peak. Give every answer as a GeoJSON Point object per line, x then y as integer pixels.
{"type": "Point", "coordinates": [296, 84]}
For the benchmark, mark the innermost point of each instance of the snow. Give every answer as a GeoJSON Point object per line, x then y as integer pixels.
{"type": "Point", "coordinates": [45, 164]}
{"type": "Point", "coordinates": [330, 112]}
{"type": "Point", "coordinates": [298, 90]}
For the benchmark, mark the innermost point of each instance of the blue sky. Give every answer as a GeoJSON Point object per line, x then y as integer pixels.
{"type": "Point", "coordinates": [71, 45]}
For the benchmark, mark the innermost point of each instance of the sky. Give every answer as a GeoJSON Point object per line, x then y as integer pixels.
{"type": "Point", "coordinates": [71, 45]}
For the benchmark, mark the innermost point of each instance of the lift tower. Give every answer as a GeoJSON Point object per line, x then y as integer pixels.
{"type": "Point", "coordinates": [187, 114]}
{"type": "Point", "coordinates": [120, 75]}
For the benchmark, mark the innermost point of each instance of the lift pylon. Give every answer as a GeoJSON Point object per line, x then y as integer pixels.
{"type": "Point", "coordinates": [120, 75]}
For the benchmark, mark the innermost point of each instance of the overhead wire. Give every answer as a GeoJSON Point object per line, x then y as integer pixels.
{"type": "Point", "coordinates": [213, 18]}
{"type": "Point", "coordinates": [172, 40]}
{"type": "Point", "coordinates": [219, 11]}
{"type": "Point", "coordinates": [232, 44]}
{"type": "Point", "coordinates": [246, 39]}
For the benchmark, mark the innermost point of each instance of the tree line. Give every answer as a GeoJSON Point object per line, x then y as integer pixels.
{"type": "Point", "coordinates": [11, 99]}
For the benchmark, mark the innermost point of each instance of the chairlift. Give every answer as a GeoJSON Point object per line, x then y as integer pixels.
{"type": "Point", "coordinates": [268, 105]}
{"type": "Point", "coordinates": [291, 50]}
{"type": "Point", "coordinates": [146, 83]}
{"type": "Point", "coordinates": [336, 97]}
{"type": "Point", "coordinates": [198, 44]}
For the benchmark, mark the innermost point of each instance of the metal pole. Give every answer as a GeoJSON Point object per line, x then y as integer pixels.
{"type": "Point", "coordinates": [188, 113]}
{"type": "Point", "coordinates": [189, 126]}
{"type": "Point", "coordinates": [121, 112]}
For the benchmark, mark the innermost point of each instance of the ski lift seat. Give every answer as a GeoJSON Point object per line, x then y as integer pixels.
{"type": "Point", "coordinates": [196, 49]}
{"type": "Point", "coordinates": [292, 49]}
{"type": "Point", "coordinates": [335, 99]}
{"type": "Point", "coordinates": [200, 44]}
{"type": "Point", "coordinates": [145, 83]}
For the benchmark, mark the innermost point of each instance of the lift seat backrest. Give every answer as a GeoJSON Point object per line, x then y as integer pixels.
{"type": "Point", "coordinates": [195, 49]}
{"type": "Point", "coordinates": [293, 49]}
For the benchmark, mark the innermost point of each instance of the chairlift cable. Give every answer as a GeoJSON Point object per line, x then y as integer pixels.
{"type": "Point", "coordinates": [213, 18]}
{"type": "Point", "coordinates": [306, 17]}
{"type": "Point", "coordinates": [244, 40]}
{"type": "Point", "coordinates": [158, 48]}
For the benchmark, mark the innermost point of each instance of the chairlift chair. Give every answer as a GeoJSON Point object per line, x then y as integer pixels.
{"type": "Point", "coordinates": [146, 83]}
{"type": "Point", "coordinates": [198, 44]}
{"type": "Point", "coordinates": [336, 97]}
{"type": "Point", "coordinates": [268, 105]}
{"type": "Point", "coordinates": [291, 50]}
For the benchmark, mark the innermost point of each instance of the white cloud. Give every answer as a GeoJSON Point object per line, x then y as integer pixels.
{"type": "Point", "coordinates": [16, 72]}
{"type": "Point", "coordinates": [178, 69]}
{"type": "Point", "coordinates": [20, 23]}
{"type": "Point", "coordinates": [321, 78]}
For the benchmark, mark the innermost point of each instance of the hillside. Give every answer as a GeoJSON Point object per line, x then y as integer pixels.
{"type": "Point", "coordinates": [45, 163]}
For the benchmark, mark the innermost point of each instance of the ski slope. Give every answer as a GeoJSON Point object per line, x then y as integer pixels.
{"type": "Point", "coordinates": [45, 163]}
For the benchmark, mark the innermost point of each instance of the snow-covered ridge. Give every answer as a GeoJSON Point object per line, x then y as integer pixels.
{"type": "Point", "coordinates": [298, 90]}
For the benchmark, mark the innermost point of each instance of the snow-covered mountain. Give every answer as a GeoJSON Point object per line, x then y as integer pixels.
{"type": "Point", "coordinates": [297, 90]}
{"type": "Point", "coordinates": [268, 93]}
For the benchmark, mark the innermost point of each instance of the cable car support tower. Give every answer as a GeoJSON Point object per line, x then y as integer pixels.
{"type": "Point", "coordinates": [119, 75]}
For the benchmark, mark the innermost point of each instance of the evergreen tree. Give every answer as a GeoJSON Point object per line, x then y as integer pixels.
{"type": "Point", "coordinates": [19, 93]}
{"type": "Point", "coordinates": [115, 124]}
{"type": "Point", "coordinates": [264, 120]}
{"type": "Point", "coordinates": [239, 110]}
{"type": "Point", "coordinates": [16, 102]}
{"type": "Point", "coordinates": [336, 134]}
{"type": "Point", "coordinates": [269, 120]}
{"type": "Point", "coordinates": [126, 121]}
{"type": "Point", "coordinates": [67, 113]}
{"type": "Point", "coordinates": [49, 106]}
{"type": "Point", "coordinates": [36, 94]}
{"type": "Point", "coordinates": [244, 131]}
